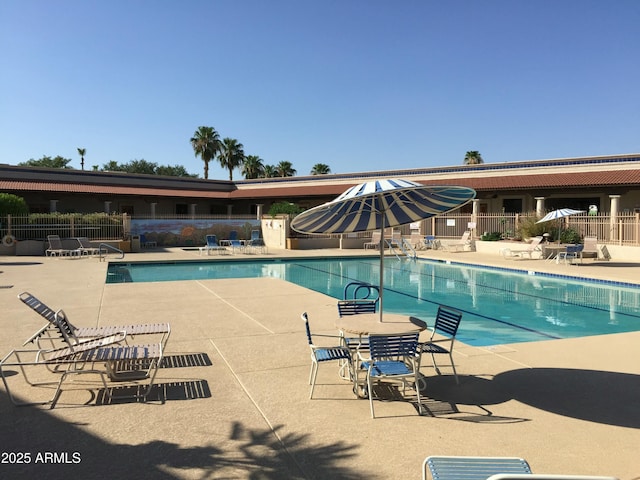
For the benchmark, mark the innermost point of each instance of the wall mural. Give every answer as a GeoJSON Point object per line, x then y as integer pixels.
{"type": "Point", "coordinates": [190, 232]}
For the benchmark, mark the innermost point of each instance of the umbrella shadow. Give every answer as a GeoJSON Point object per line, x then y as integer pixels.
{"type": "Point", "coordinates": [467, 401]}
{"type": "Point", "coordinates": [591, 395]}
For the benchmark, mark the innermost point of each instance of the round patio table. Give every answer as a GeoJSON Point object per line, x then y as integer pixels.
{"type": "Point", "coordinates": [364, 324]}
{"type": "Point", "coordinates": [369, 323]}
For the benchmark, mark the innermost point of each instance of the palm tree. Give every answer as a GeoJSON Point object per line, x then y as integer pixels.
{"type": "Point", "coordinates": [320, 169]}
{"type": "Point", "coordinates": [206, 144]}
{"type": "Point", "coordinates": [252, 167]}
{"type": "Point", "coordinates": [473, 158]}
{"type": "Point", "coordinates": [82, 152]}
{"type": "Point", "coordinates": [285, 169]}
{"type": "Point", "coordinates": [231, 155]}
{"type": "Point", "coordinates": [269, 171]}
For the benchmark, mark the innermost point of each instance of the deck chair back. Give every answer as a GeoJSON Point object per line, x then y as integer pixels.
{"type": "Point", "coordinates": [356, 307]}
{"type": "Point", "coordinates": [472, 468]}
{"type": "Point", "coordinates": [448, 320]}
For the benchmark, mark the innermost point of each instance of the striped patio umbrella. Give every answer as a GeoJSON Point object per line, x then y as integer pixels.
{"type": "Point", "coordinates": [557, 215]}
{"type": "Point", "coordinates": [379, 204]}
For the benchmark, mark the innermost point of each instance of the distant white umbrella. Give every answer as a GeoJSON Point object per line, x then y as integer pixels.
{"type": "Point", "coordinates": [559, 214]}
{"type": "Point", "coordinates": [378, 204]}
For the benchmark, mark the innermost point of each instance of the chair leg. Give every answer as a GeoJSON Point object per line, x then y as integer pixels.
{"type": "Point", "coordinates": [312, 378]}
{"type": "Point", "coordinates": [370, 395]}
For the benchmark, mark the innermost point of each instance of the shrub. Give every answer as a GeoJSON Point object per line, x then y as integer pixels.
{"type": "Point", "coordinates": [491, 237]}
{"type": "Point", "coordinates": [12, 205]}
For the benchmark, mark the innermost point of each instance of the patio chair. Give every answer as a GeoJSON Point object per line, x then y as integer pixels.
{"type": "Point", "coordinates": [430, 241]}
{"type": "Point", "coordinates": [104, 357]}
{"type": "Point", "coordinates": [572, 253]}
{"type": "Point", "coordinates": [461, 244]}
{"type": "Point", "coordinates": [256, 243]}
{"type": "Point", "coordinates": [533, 247]}
{"type": "Point", "coordinates": [392, 358]}
{"type": "Point", "coordinates": [447, 323]}
{"type": "Point", "coordinates": [57, 250]}
{"type": "Point", "coordinates": [545, 476]}
{"type": "Point", "coordinates": [472, 468]}
{"type": "Point", "coordinates": [212, 246]}
{"type": "Point", "coordinates": [144, 243]}
{"type": "Point", "coordinates": [59, 329]}
{"type": "Point", "coordinates": [86, 247]}
{"type": "Point", "coordinates": [320, 354]}
{"type": "Point", "coordinates": [361, 291]}
{"type": "Point", "coordinates": [375, 241]}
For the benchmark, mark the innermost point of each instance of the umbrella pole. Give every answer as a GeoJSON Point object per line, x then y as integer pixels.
{"type": "Point", "coordinates": [381, 248]}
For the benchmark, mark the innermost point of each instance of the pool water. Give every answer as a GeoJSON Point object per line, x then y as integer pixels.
{"type": "Point", "coordinates": [500, 306]}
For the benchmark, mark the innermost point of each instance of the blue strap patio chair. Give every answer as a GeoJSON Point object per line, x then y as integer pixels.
{"type": "Point", "coordinates": [546, 476]}
{"type": "Point", "coordinates": [256, 243]}
{"type": "Point", "coordinates": [447, 323]}
{"type": "Point", "coordinates": [320, 354]}
{"type": "Point", "coordinates": [392, 358]}
{"type": "Point", "coordinates": [212, 246]}
{"type": "Point", "coordinates": [471, 468]}
{"type": "Point", "coordinates": [234, 241]}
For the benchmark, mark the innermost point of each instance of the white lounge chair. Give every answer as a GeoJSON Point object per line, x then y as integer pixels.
{"type": "Point", "coordinates": [534, 247]}
{"type": "Point", "coordinates": [57, 250]}
{"type": "Point", "coordinates": [472, 468]}
{"type": "Point", "coordinates": [59, 331]}
{"type": "Point", "coordinates": [464, 241]}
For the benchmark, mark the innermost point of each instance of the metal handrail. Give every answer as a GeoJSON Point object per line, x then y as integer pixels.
{"type": "Point", "coordinates": [109, 247]}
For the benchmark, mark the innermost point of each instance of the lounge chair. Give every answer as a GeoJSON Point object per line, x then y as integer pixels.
{"type": "Point", "coordinates": [544, 476]}
{"type": "Point", "coordinates": [461, 244]}
{"type": "Point", "coordinates": [472, 468]}
{"type": "Point", "coordinates": [57, 250]}
{"type": "Point", "coordinates": [591, 249]}
{"type": "Point", "coordinates": [59, 329]}
{"type": "Point", "coordinates": [212, 246]}
{"type": "Point", "coordinates": [86, 247]}
{"type": "Point", "coordinates": [103, 356]}
{"type": "Point", "coordinates": [375, 241]}
{"type": "Point", "coordinates": [320, 354]}
{"type": "Point", "coordinates": [534, 247]}
{"type": "Point", "coordinates": [447, 323]}
{"type": "Point", "coordinates": [392, 358]}
{"type": "Point", "coordinates": [256, 243]}
{"type": "Point", "coordinates": [234, 242]}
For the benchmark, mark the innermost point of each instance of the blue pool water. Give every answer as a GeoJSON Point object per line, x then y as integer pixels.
{"type": "Point", "coordinates": [500, 306]}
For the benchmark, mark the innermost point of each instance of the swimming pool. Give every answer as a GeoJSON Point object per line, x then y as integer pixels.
{"type": "Point", "coordinates": [500, 305]}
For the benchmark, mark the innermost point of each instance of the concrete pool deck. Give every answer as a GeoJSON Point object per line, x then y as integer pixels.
{"type": "Point", "coordinates": [236, 394]}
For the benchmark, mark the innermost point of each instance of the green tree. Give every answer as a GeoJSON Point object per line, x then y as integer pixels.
{"type": "Point", "coordinates": [47, 162]}
{"type": "Point", "coordinates": [320, 169]}
{"type": "Point", "coordinates": [112, 166]}
{"type": "Point", "coordinates": [11, 204]}
{"type": "Point", "coordinates": [269, 171]}
{"type": "Point", "coordinates": [206, 145]}
{"type": "Point", "coordinates": [82, 152]}
{"type": "Point", "coordinates": [473, 157]}
{"type": "Point", "coordinates": [231, 155]}
{"type": "Point", "coordinates": [141, 166]}
{"type": "Point", "coordinates": [174, 171]}
{"type": "Point", "coordinates": [285, 169]}
{"type": "Point", "coordinates": [252, 167]}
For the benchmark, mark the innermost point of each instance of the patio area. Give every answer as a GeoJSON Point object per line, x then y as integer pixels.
{"type": "Point", "coordinates": [235, 390]}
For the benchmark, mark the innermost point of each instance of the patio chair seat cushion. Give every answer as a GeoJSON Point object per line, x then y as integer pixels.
{"type": "Point", "coordinates": [387, 367]}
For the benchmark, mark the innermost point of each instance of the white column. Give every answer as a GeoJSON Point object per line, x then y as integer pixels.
{"type": "Point", "coordinates": [192, 209]}
{"type": "Point", "coordinates": [153, 209]}
{"type": "Point", "coordinates": [539, 206]}
{"type": "Point", "coordinates": [107, 207]}
{"type": "Point", "coordinates": [229, 210]}
{"type": "Point", "coordinates": [259, 207]}
{"type": "Point", "coordinates": [53, 206]}
{"type": "Point", "coordinates": [475, 209]}
{"type": "Point", "coordinates": [613, 225]}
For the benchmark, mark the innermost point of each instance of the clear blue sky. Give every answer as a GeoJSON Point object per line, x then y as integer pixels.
{"type": "Point", "coordinates": [356, 84]}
